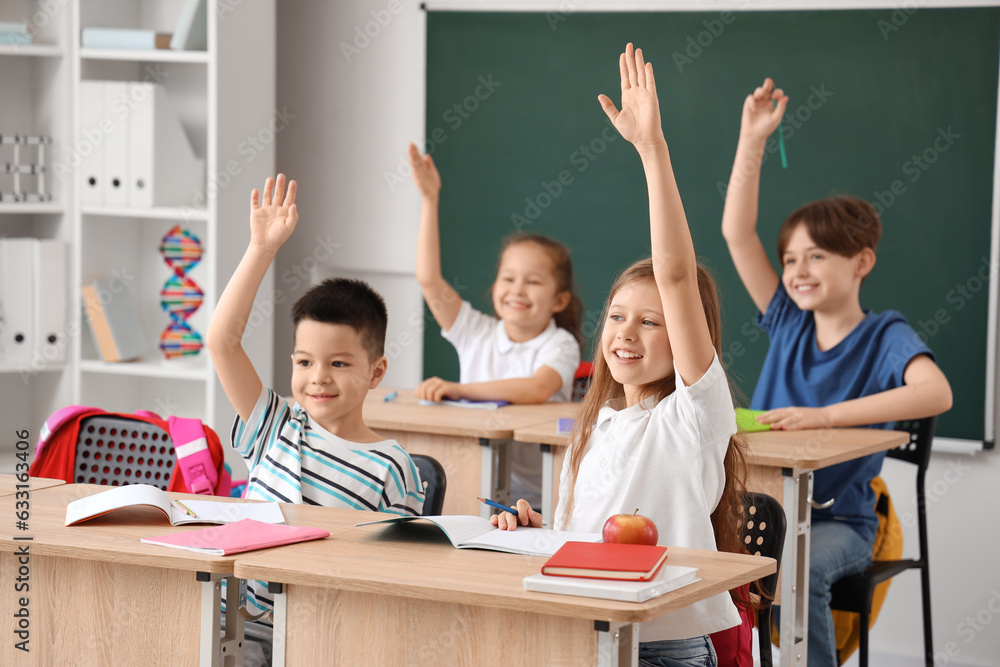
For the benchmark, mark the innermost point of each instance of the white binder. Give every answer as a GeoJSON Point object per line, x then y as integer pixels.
{"type": "Point", "coordinates": [164, 168]}
{"type": "Point", "coordinates": [116, 143]}
{"type": "Point", "coordinates": [49, 286]}
{"type": "Point", "coordinates": [16, 298]}
{"type": "Point", "coordinates": [91, 146]}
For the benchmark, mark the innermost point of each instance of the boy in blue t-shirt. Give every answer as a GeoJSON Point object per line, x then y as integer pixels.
{"type": "Point", "coordinates": [830, 363]}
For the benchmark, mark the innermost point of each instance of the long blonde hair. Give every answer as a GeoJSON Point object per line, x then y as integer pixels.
{"type": "Point", "coordinates": [727, 519]}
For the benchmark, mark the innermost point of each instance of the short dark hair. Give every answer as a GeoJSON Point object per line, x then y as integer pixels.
{"type": "Point", "coordinates": [843, 224]}
{"type": "Point", "coordinates": [346, 301]}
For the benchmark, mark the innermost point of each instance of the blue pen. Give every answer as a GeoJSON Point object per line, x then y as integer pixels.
{"type": "Point", "coordinates": [389, 397]}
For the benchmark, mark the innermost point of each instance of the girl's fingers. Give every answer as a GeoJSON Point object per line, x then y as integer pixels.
{"type": "Point", "coordinates": [290, 195]}
{"type": "Point", "coordinates": [777, 94]}
{"type": "Point", "coordinates": [650, 81]}
{"type": "Point", "coordinates": [640, 69]}
{"type": "Point", "coordinates": [630, 64]}
{"type": "Point", "coordinates": [279, 190]}
{"type": "Point", "coordinates": [608, 106]}
{"type": "Point", "coordinates": [623, 72]}
{"type": "Point", "coordinates": [254, 199]}
{"type": "Point", "coordinates": [268, 187]}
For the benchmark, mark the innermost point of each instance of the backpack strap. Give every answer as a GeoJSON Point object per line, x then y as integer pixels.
{"type": "Point", "coordinates": [193, 455]}
{"type": "Point", "coordinates": [57, 419]}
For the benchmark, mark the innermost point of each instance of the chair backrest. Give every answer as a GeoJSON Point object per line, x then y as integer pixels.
{"type": "Point", "coordinates": [764, 526]}
{"type": "Point", "coordinates": [115, 451]}
{"type": "Point", "coordinates": [435, 483]}
{"type": "Point", "coordinates": [918, 450]}
{"type": "Point", "coordinates": [581, 380]}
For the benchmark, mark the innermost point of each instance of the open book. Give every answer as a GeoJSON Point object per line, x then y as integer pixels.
{"type": "Point", "coordinates": [201, 511]}
{"type": "Point", "coordinates": [668, 578]}
{"type": "Point", "coordinates": [475, 532]}
{"type": "Point", "coordinates": [466, 403]}
{"type": "Point", "coordinates": [234, 538]}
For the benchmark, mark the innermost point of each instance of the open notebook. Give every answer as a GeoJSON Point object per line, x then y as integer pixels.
{"type": "Point", "coordinates": [475, 532]}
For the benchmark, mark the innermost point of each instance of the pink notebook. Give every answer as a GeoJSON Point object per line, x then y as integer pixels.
{"type": "Point", "coordinates": [234, 538]}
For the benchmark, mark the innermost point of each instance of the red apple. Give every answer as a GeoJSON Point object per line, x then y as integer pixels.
{"type": "Point", "coordinates": [630, 529]}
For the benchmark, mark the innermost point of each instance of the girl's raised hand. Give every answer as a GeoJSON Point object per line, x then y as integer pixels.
{"type": "Point", "coordinates": [639, 118]}
{"type": "Point", "coordinates": [273, 216]}
{"type": "Point", "coordinates": [760, 115]}
{"type": "Point", "coordinates": [425, 174]}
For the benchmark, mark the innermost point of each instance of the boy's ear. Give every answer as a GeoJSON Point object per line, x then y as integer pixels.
{"type": "Point", "coordinates": [866, 262]}
{"type": "Point", "coordinates": [379, 367]}
{"type": "Point", "coordinates": [562, 301]}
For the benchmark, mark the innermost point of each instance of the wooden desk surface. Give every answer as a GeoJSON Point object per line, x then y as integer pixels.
{"type": "Point", "coordinates": [544, 433]}
{"type": "Point", "coordinates": [819, 448]}
{"type": "Point", "coordinates": [418, 561]}
{"type": "Point", "coordinates": [404, 413]}
{"type": "Point", "coordinates": [113, 537]}
{"type": "Point", "coordinates": [8, 484]}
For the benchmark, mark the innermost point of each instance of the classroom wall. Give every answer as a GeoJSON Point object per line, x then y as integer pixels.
{"type": "Point", "coordinates": [354, 114]}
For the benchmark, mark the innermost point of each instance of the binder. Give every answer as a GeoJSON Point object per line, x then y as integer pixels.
{"type": "Point", "coordinates": [116, 143]}
{"type": "Point", "coordinates": [16, 298]}
{"type": "Point", "coordinates": [49, 287]}
{"type": "Point", "coordinates": [112, 320]}
{"type": "Point", "coordinates": [123, 38]}
{"type": "Point", "coordinates": [164, 168]}
{"type": "Point", "coordinates": [91, 142]}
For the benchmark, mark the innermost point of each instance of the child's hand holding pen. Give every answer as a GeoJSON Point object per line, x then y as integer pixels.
{"type": "Point", "coordinates": [510, 517]}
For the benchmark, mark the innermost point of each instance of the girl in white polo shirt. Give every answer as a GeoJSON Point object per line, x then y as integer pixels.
{"type": "Point", "coordinates": [529, 351]}
{"type": "Point", "coordinates": [656, 429]}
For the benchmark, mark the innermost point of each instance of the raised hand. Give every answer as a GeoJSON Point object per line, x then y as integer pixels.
{"type": "Point", "coordinates": [273, 216]}
{"type": "Point", "coordinates": [639, 118]}
{"type": "Point", "coordinates": [425, 174]}
{"type": "Point", "coordinates": [760, 115]}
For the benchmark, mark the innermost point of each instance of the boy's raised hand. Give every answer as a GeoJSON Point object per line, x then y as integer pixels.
{"type": "Point", "coordinates": [425, 174]}
{"type": "Point", "coordinates": [273, 216]}
{"type": "Point", "coordinates": [639, 118]}
{"type": "Point", "coordinates": [760, 115]}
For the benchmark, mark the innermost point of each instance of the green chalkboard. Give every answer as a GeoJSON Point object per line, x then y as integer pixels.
{"type": "Point", "coordinates": [899, 107]}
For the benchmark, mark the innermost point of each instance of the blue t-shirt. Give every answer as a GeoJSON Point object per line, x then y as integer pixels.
{"type": "Point", "coordinates": [871, 359]}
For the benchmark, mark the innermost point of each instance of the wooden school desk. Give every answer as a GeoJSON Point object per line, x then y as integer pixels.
{"type": "Point", "coordinates": [98, 596]}
{"type": "Point", "coordinates": [557, 444]}
{"type": "Point", "coordinates": [392, 595]}
{"type": "Point", "coordinates": [9, 484]}
{"type": "Point", "coordinates": [471, 444]}
{"type": "Point", "coordinates": [780, 464]}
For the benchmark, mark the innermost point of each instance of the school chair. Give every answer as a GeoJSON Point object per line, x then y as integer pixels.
{"type": "Point", "coordinates": [581, 380]}
{"type": "Point", "coordinates": [764, 525]}
{"type": "Point", "coordinates": [435, 483]}
{"type": "Point", "coordinates": [854, 593]}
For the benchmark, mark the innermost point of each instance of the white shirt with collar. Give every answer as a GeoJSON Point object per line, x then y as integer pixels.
{"type": "Point", "coordinates": [486, 353]}
{"type": "Point", "coordinates": [666, 459]}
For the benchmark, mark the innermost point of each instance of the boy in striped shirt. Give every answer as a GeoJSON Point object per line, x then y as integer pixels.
{"type": "Point", "coordinates": [317, 450]}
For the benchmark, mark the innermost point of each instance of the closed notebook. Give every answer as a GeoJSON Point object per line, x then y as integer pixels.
{"type": "Point", "coordinates": [234, 538]}
{"type": "Point", "coordinates": [668, 578]}
{"type": "Point", "coordinates": [600, 560]}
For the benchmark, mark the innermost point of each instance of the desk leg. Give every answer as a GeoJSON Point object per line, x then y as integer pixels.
{"type": "Point", "coordinates": [216, 650]}
{"type": "Point", "coordinates": [280, 621]}
{"type": "Point", "coordinates": [486, 475]}
{"type": "Point", "coordinates": [494, 476]}
{"type": "Point", "coordinates": [547, 484]}
{"type": "Point", "coordinates": [795, 567]}
{"type": "Point", "coordinates": [617, 644]}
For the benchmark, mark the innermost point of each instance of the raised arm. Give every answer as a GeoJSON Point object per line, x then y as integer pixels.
{"type": "Point", "coordinates": [739, 217]}
{"type": "Point", "coordinates": [272, 220]}
{"type": "Point", "coordinates": [443, 301]}
{"type": "Point", "coordinates": [674, 264]}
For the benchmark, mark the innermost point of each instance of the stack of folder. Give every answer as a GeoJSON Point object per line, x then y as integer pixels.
{"type": "Point", "coordinates": [14, 32]}
{"type": "Point", "coordinates": [33, 315]}
{"type": "Point", "coordinates": [141, 155]}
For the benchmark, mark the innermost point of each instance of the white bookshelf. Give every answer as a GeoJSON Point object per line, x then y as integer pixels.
{"type": "Point", "coordinates": [219, 110]}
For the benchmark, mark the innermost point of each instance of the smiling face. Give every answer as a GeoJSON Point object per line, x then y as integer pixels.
{"type": "Point", "coordinates": [525, 293]}
{"type": "Point", "coordinates": [821, 280]}
{"type": "Point", "coordinates": [634, 339]}
{"type": "Point", "coordinates": [332, 373]}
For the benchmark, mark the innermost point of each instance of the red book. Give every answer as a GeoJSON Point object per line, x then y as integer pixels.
{"type": "Point", "coordinates": [599, 560]}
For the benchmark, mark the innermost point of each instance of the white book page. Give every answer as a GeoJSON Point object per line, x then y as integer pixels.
{"type": "Point", "coordinates": [215, 511]}
{"type": "Point", "coordinates": [116, 498]}
{"type": "Point", "coordinates": [528, 541]}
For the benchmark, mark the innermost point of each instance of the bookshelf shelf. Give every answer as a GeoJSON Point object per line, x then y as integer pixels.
{"type": "Point", "coordinates": [29, 208]}
{"type": "Point", "coordinates": [177, 370]}
{"type": "Point", "coordinates": [156, 213]}
{"type": "Point", "coordinates": [145, 56]}
{"type": "Point", "coordinates": [32, 50]}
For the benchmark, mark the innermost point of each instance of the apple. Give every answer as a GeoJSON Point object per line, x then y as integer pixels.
{"type": "Point", "coordinates": [630, 529]}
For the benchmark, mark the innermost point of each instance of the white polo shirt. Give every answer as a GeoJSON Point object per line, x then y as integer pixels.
{"type": "Point", "coordinates": [486, 353]}
{"type": "Point", "coordinates": [666, 459]}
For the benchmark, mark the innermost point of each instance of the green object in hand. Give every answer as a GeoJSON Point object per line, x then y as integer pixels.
{"type": "Point", "coordinates": [746, 420]}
